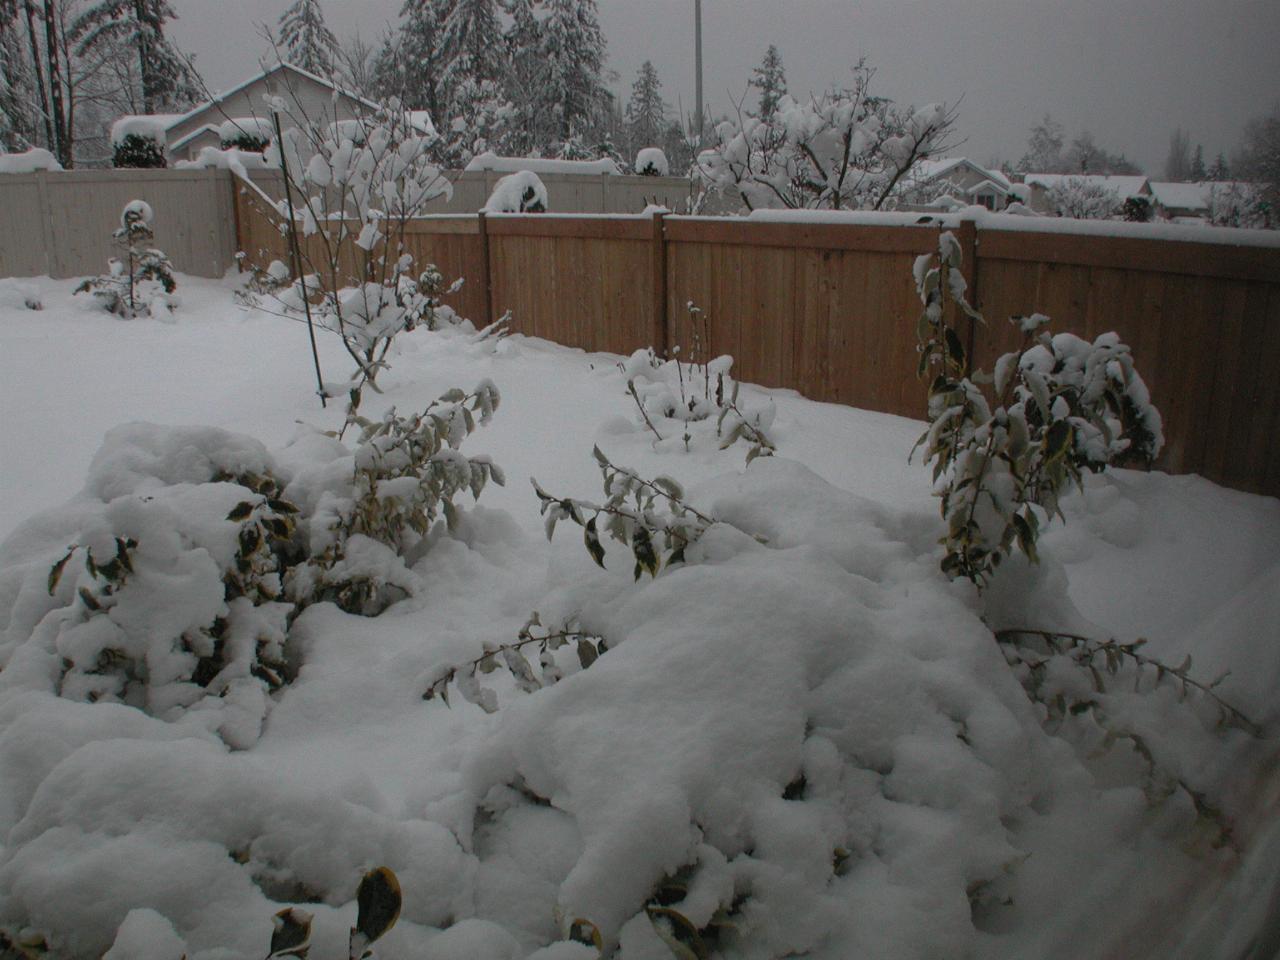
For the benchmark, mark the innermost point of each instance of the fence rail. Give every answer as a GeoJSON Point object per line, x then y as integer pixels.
{"type": "Point", "coordinates": [829, 309]}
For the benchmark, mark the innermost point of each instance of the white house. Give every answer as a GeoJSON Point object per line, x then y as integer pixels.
{"type": "Point", "coordinates": [244, 107]}
{"type": "Point", "coordinates": [961, 179]}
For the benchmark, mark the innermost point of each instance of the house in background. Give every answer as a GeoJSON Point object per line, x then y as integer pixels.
{"type": "Point", "coordinates": [958, 178]}
{"type": "Point", "coordinates": [244, 107]}
{"type": "Point", "coordinates": [1123, 188]}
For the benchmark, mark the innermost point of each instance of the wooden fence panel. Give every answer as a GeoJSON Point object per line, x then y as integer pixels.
{"type": "Point", "coordinates": [829, 309]}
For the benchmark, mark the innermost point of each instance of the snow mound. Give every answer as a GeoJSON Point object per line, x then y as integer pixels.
{"type": "Point", "coordinates": [152, 127]}
{"type": "Point", "coordinates": [236, 160]}
{"type": "Point", "coordinates": [29, 161]}
{"type": "Point", "coordinates": [652, 162]}
{"type": "Point", "coordinates": [491, 161]}
{"type": "Point", "coordinates": [521, 192]}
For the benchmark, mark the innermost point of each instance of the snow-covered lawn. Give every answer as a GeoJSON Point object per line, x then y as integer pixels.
{"type": "Point", "coordinates": [805, 722]}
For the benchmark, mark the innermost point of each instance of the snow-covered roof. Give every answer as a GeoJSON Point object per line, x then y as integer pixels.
{"type": "Point", "coordinates": [197, 132]}
{"type": "Point", "coordinates": [222, 95]}
{"type": "Point", "coordinates": [490, 161]}
{"type": "Point", "coordinates": [990, 185]}
{"type": "Point", "coordinates": [1123, 187]}
{"type": "Point", "coordinates": [1184, 196]}
{"type": "Point", "coordinates": [926, 170]}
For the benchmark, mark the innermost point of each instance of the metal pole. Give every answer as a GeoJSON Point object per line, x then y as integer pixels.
{"type": "Point", "coordinates": [697, 40]}
{"type": "Point", "coordinates": [297, 257]}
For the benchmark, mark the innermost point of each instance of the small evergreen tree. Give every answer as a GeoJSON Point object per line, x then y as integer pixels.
{"type": "Point", "coordinates": [133, 285]}
{"type": "Point", "coordinates": [1198, 172]}
{"type": "Point", "coordinates": [646, 112]}
{"type": "Point", "coordinates": [1219, 171]}
{"type": "Point", "coordinates": [771, 80]}
{"type": "Point", "coordinates": [308, 41]}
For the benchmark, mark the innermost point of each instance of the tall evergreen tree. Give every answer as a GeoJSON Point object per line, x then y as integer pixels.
{"type": "Point", "coordinates": [168, 82]}
{"type": "Point", "coordinates": [1177, 165]}
{"type": "Point", "coordinates": [1219, 171]}
{"type": "Point", "coordinates": [523, 40]}
{"type": "Point", "coordinates": [771, 80]}
{"type": "Point", "coordinates": [646, 112]}
{"type": "Point", "coordinates": [1198, 172]}
{"type": "Point", "coordinates": [408, 65]}
{"type": "Point", "coordinates": [307, 39]}
{"type": "Point", "coordinates": [471, 50]}
{"type": "Point", "coordinates": [571, 94]}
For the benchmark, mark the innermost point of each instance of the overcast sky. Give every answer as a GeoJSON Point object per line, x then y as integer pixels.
{"type": "Point", "coordinates": [1129, 71]}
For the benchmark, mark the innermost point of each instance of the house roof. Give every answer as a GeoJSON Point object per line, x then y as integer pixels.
{"type": "Point", "coordinates": [926, 170]}
{"type": "Point", "coordinates": [1123, 187]}
{"type": "Point", "coordinates": [263, 74]}
{"type": "Point", "coordinates": [1182, 196]}
{"type": "Point", "coordinates": [198, 131]}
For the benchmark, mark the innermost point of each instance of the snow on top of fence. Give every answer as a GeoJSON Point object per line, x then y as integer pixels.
{"type": "Point", "coordinates": [987, 220]}
{"type": "Point", "coordinates": [491, 161]}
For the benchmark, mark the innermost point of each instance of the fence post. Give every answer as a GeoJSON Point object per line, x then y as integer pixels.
{"type": "Point", "coordinates": [486, 276]}
{"type": "Point", "coordinates": [968, 237]}
{"type": "Point", "coordinates": [661, 323]}
{"type": "Point", "coordinates": [51, 264]}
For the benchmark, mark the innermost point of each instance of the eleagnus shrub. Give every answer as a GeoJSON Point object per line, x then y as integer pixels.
{"type": "Point", "coordinates": [1060, 406]}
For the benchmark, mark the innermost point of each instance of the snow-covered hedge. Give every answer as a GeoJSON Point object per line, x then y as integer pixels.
{"type": "Point", "coordinates": [139, 141]}
{"type": "Point", "coordinates": [490, 161]}
{"type": "Point", "coordinates": [250, 134]}
{"type": "Point", "coordinates": [29, 161]}
{"type": "Point", "coordinates": [521, 192]}
{"type": "Point", "coordinates": [652, 162]}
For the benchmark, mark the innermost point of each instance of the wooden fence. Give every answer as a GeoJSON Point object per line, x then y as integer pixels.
{"type": "Point", "coordinates": [829, 309]}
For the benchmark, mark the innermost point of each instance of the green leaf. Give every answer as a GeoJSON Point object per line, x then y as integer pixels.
{"type": "Point", "coordinates": [240, 511]}
{"type": "Point", "coordinates": [1057, 440]}
{"type": "Point", "coordinates": [955, 349]}
{"type": "Point", "coordinates": [678, 933]}
{"type": "Point", "coordinates": [378, 903]}
{"type": "Point", "coordinates": [89, 600]}
{"type": "Point", "coordinates": [290, 934]}
{"type": "Point", "coordinates": [592, 540]}
{"type": "Point", "coordinates": [587, 653]}
{"type": "Point", "coordinates": [56, 573]}
{"type": "Point", "coordinates": [586, 932]}
{"type": "Point", "coordinates": [642, 548]}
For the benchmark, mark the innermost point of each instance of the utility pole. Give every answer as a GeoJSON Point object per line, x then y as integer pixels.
{"type": "Point", "coordinates": [697, 40]}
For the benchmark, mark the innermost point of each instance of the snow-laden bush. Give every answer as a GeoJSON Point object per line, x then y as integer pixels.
{"type": "Point", "coordinates": [141, 282]}
{"type": "Point", "coordinates": [1062, 405]}
{"type": "Point", "coordinates": [371, 514]}
{"type": "Point", "coordinates": [170, 596]}
{"type": "Point", "coordinates": [29, 161]}
{"type": "Point", "coordinates": [845, 149]}
{"type": "Point", "coordinates": [352, 188]}
{"type": "Point", "coordinates": [1083, 199]}
{"type": "Point", "coordinates": [1237, 204]}
{"type": "Point", "coordinates": [138, 141]}
{"type": "Point", "coordinates": [519, 192]}
{"type": "Point", "coordinates": [250, 134]}
{"type": "Point", "coordinates": [652, 162]}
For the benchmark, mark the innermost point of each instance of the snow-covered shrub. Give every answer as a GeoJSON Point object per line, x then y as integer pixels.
{"type": "Point", "coordinates": [250, 134]}
{"type": "Point", "coordinates": [142, 153]}
{"type": "Point", "coordinates": [649, 517]}
{"type": "Point", "coordinates": [846, 149]}
{"type": "Point", "coordinates": [170, 596]}
{"type": "Point", "coordinates": [1082, 199]}
{"type": "Point", "coordinates": [29, 161]}
{"type": "Point", "coordinates": [353, 186]}
{"type": "Point", "coordinates": [652, 162]}
{"type": "Point", "coordinates": [519, 192]}
{"type": "Point", "coordinates": [143, 280]}
{"type": "Point", "coordinates": [587, 647]}
{"type": "Point", "coordinates": [1061, 406]}
{"type": "Point", "coordinates": [138, 141]}
{"type": "Point", "coordinates": [1236, 204]}
{"type": "Point", "coordinates": [403, 473]}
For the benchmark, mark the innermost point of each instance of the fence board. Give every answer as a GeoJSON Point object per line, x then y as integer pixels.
{"type": "Point", "coordinates": [829, 309]}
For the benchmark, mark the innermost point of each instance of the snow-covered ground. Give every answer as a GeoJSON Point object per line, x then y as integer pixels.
{"type": "Point", "coordinates": [805, 721]}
